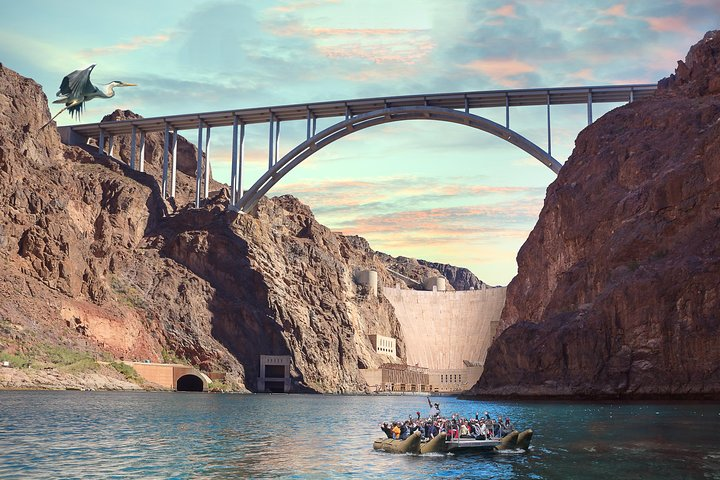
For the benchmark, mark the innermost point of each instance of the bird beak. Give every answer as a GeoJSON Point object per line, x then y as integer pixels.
{"type": "Point", "coordinates": [129, 84]}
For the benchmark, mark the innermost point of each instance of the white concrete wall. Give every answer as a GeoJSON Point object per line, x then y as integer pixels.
{"type": "Point", "coordinates": [441, 329]}
{"type": "Point", "coordinates": [384, 345]}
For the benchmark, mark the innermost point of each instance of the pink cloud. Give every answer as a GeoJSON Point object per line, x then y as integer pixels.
{"type": "Point", "coordinates": [294, 7]}
{"type": "Point", "coordinates": [295, 29]}
{"type": "Point", "coordinates": [505, 11]}
{"type": "Point", "coordinates": [669, 24]}
{"type": "Point", "coordinates": [700, 3]}
{"type": "Point", "coordinates": [376, 45]}
{"type": "Point", "coordinates": [363, 32]}
{"type": "Point", "coordinates": [583, 74]}
{"type": "Point", "coordinates": [663, 59]}
{"type": "Point", "coordinates": [134, 44]}
{"type": "Point", "coordinates": [333, 193]}
{"type": "Point", "coordinates": [616, 11]}
{"type": "Point", "coordinates": [380, 53]}
{"type": "Point", "coordinates": [501, 70]}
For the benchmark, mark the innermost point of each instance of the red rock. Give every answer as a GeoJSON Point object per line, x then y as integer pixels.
{"type": "Point", "coordinates": [92, 261]}
{"type": "Point", "coordinates": [618, 285]}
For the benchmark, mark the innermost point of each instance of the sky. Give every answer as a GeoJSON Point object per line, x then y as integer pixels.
{"type": "Point", "coordinates": [423, 189]}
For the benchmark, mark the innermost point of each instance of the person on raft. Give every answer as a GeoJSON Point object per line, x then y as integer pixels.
{"type": "Point", "coordinates": [434, 409]}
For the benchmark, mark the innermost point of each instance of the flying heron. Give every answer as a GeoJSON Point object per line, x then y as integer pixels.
{"type": "Point", "coordinates": [76, 89]}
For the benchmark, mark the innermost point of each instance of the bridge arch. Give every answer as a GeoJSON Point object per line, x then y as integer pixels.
{"type": "Point", "coordinates": [378, 117]}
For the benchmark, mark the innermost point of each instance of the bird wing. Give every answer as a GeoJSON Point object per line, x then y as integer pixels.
{"type": "Point", "coordinates": [77, 84]}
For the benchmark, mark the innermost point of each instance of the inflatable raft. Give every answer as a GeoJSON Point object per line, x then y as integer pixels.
{"type": "Point", "coordinates": [442, 444]}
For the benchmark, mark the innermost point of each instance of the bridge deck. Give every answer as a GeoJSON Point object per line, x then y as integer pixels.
{"type": "Point", "coordinates": [462, 100]}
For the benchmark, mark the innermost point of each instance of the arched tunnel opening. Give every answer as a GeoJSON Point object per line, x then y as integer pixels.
{"type": "Point", "coordinates": [189, 383]}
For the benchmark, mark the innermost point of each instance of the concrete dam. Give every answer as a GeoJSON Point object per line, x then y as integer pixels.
{"type": "Point", "coordinates": [447, 335]}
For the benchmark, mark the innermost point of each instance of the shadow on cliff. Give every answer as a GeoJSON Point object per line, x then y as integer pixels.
{"type": "Point", "coordinates": [616, 294]}
{"type": "Point", "coordinates": [242, 319]}
{"type": "Point", "coordinates": [156, 206]}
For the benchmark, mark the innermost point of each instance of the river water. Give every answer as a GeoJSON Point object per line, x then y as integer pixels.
{"type": "Point", "coordinates": [196, 435]}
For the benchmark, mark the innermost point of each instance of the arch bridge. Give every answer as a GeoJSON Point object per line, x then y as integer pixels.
{"type": "Point", "coordinates": [354, 115]}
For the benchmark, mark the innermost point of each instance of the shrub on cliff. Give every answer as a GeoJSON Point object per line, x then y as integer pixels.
{"type": "Point", "coordinates": [127, 370]}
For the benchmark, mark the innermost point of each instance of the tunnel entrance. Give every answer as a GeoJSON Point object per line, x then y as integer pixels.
{"type": "Point", "coordinates": [275, 387]}
{"type": "Point", "coordinates": [189, 383]}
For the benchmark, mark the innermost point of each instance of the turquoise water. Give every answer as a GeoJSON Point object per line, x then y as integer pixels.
{"type": "Point", "coordinates": [194, 435]}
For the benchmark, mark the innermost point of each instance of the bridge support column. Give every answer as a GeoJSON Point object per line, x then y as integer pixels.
{"type": "Point", "coordinates": [198, 172]}
{"type": "Point", "coordinates": [507, 111]}
{"type": "Point", "coordinates": [589, 107]}
{"type": "Point", "coordinates": [241, 162]}
{"type": "Point", "coordinates": [271, 141]}
{"type": "Point", "coordinates": [173, 175]}
{"type": "Point", "coordinates": [133, 147]}
{"type": "Point", "coordinates": [309, 123]}
{"type": "Point", "coordinates": [101, 143]}
{"type": "Point", "coordinates": [233, 160]}
{"type": "Point", "coordinates": [207, 162]}
{"type": "Point", "coordinates": [110, 145]}
{"type": "Point", "coordinates": [166, 155]}
{"type": "Point", "coordinates": [238, 156]}
{"type": "Point", "coordinates": [549, 150]}
{"type": "Point", "coordinates": [277, 141]}
{"type": "Point", "coordinates": [142, 151]}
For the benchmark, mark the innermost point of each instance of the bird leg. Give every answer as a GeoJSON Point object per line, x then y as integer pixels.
{"type": "Point", "coordinates": [55, 116]}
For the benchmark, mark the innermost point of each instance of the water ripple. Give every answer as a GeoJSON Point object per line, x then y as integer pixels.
{"type": "Point", "coordinates": [79, 435]}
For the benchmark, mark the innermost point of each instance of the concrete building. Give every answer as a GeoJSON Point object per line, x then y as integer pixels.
{"type": "Point", "coordinates": [274, 374]}
{"type": "Point", "coordinates": [394, 377]}
{"type": "Point", "coordinates": [386, 345]}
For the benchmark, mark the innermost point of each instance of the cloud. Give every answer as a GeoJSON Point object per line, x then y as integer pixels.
{"type": "Point", "coordinates": [341, 202]}
{"type": "Point", "coordinates": [375, 45]}
{"type": "Point", "coordinates": [584, 74]}
{"type": "Point", "coordinates": [674, 23]}
{"type": "Point", "coordinates": [379, 53]}
{"type": "Point", "coordinates": [669, 24]}
{"type": "Point", "coordinates": [618, 10]}
{"type": "Point", "coordinates": [135, 43]}
{"type": "Point", "coordinates": [448, 222]}
{"type": "Point", "coordinates": [701, 3]}
{"type": "Point", "coordinates": [503, 71]}
{"type": "Point", "coordinates": [360, 32]}
{"type": "Point", "coordinates": [505, 11]}
{"type": "Point", "coordinates": [290, 7]}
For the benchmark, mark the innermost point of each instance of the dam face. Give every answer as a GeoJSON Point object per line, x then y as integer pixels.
{"type": "Point", "coordinates": [448, 332]}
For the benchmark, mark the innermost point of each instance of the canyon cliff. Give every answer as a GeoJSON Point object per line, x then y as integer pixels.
{"type": "Point", "coordinates": [618, 286]}
{"type": "Point", "coordinates": [95, 260]}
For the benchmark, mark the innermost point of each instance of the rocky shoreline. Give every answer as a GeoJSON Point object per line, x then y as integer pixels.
{"type": "Point", "coordinates": [54, 379]}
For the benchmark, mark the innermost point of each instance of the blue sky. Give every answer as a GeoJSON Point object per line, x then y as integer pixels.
{"type": "Point", "coordinates": [422, 189]}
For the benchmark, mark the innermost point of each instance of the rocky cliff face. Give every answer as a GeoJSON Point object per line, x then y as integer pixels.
{"type": "Point", "coordinates": [416, 271]}
{"type": "Point", "coordinates": [618, 285]}
{"type": "Point", "coordinates": [460, 278]}
{"type": "Point", "coordinates": [92, 261]}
